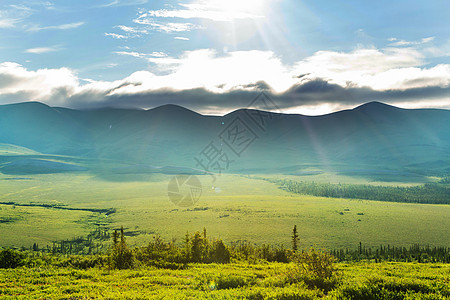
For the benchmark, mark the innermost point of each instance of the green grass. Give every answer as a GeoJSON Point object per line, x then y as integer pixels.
{"type": "Point", "coordinates": [232, 281]}
{"type": "Point", "coordinates": [40, 225]}
{"type": "Point", "coordinates": [244, 209]}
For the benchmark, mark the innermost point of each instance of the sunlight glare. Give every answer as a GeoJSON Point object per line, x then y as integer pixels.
{"type": "Point", "coordinates": [230, 6]}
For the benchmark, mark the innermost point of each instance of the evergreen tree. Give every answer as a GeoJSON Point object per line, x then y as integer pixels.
{"type": "Point", "coordinates": [295, 239]}
{"type": "Point", "coordinates": [121, 256]}
{"type": "Point", "coordinates": [186, 250]}
{"type": "Point", "coordinates": [220, 252]}
{"type": "Point", "coordinates": [115, 238]}
{"type": "Point", "coordinates": [197, 247]}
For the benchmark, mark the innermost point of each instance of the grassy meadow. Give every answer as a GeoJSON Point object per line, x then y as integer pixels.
{"type": "Point", "coordinates": [41, 209]}
{"type": "Point", "coordinates": [230, 281]}
{"type": "Point", "coordinates": [234, 207]}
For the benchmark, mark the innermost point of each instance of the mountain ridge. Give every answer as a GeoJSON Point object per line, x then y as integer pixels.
{"type": "Point", "coordinates": [371, 105]}
{"type": "Point", "coordinates": [371, 136]}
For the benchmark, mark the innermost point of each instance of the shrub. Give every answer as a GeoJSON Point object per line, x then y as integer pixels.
{"type": "Point", "coordinates": [316, 269]}
{"type": "Point", "coordinates": [219, 252]}
{"type": "Point", "coordinates": [225, 281]}
{"type": "Point", "coordinates": [86, 262]}
{"type": "Point", "coordinates": [317, 263]}
{"type": "Point", "coordinates": [10, 258]}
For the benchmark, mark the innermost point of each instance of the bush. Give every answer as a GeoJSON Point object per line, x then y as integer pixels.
{"type": "Point", "coordinates": [386, 288]}
{"type": "Point", "coordinates": [312, 262]}
{"type": "Point", "coordinates": [10, 258]}
{"type": "Point", "coordinates": [121, 258]}
{"type": "Point", "coordinates": [225, 281]}
{"type": "Point", "coordinates": [86, 262]}
{"type": "Point", "coordinates": [219, 252]}
{"type": "Point", "coordinates": [316, 269]}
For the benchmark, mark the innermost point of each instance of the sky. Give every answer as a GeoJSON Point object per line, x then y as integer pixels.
{"type": "Point", "coordinates": [310, 56]}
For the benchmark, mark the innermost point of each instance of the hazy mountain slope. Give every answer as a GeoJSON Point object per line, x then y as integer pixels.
{"type": "Point", "coordinates": [372, 136]}
{"type": "Point", "coordinates": [41, 128]}
{"type": "Point", "coordinates": [38, 166]}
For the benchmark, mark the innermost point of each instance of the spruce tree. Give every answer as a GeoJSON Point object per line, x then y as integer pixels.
{"type": "Point", "coordinates": [121, 256]}
{"type": "Point", "coordinates": [295, 239]}
{"type": "Point", "coordinates": [115, 238]}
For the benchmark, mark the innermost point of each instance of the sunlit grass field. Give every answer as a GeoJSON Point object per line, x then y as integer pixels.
{"type": "Point", "coordinates": [231, 281]}
{"type": "Point", "coordinates": [238, 208]}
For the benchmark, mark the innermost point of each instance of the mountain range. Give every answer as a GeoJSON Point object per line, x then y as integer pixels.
{"type": "Point", "coordinates": [372, 138]}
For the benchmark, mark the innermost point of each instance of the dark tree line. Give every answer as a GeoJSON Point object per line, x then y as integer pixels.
{"type": "Point", "coordinates": [91, 244]}
{"type": "Point", "coordinates": [198, 248]}
{"type": "Point", "coordinates": [429, 193]}
{"type": "Point", "coordinates": [415, 253]}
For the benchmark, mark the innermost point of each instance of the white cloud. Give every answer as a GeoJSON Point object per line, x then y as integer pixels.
{"type": "Point", "coordinates": [13, 14]}
{"type": "Point", "coordinates": [215, 10]}
{"type": "Point", "coordinates": [142, 55]}
{"type": "Point", "coordinates": [378, 70]}
{"type": "Point", "coordinates": [181, 38]}
{"type": "Point", "coordinates": [130, 29]}
{"type": "Point", "coordinates": [57, 27]}
{"type": "Point", "coordinates": [400, 43]}
{"type": "Point", "coordinates": [130, 32]}
{"type": "Point", "coordinates": [158, 54]}
{"type": "Point", "coordinates": [8, 23]}
{"type": "Point", "coordinates": [206, 69]}
{"type": "Point", "coordinates": [49, 5]}
{"type": "Point", "coordinates": [406, 78]}
{"type": "Point", "coordinates": [21, 7]}
{"type": "Point", "coordinates": [130, 53]}
{"type": "Point", "coordinates": [166, 27]}
{"type": "Point", "coordinates": [437, 51]}
{"type": "Point", "coordinates": [116, 36]}
{"type": "Point", "coordinates": [111, 65]}
{"type": "Point", "coordinates": [390, 68]}
{"type": "Point", "coordinates": [199, 14]}
{"type": "Point", "coordinates": [41, 85]}
{"type": "Point", "coordinates": [115, 3]}
{"type": "Point", "coordinates": [17, 13]}
{"type": "Point", "coordinates": [427, 40]}
{"type": "Point", "coordinates": [42, 50]}
{"type": "Point", "coordinates": [381, 70]}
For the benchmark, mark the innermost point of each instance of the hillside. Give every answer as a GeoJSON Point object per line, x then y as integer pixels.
{"type": "Point", "coordinates": [374, 137]}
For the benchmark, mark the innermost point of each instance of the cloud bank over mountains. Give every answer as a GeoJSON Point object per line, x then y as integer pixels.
{"type": "Point", "coordinates": [212, 82]}
{"type": "Point", "coordinates": [215, 56]}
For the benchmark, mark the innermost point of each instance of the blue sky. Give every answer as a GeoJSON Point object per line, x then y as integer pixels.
{"type": "Point", "coordinates": [213, 56]}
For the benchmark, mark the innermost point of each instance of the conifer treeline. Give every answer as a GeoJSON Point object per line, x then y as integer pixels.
{"type": "Point", "coordinates": [415, 253]}
{"type": "Point", "coordinates": [429, 193]}
{"type": "Point", "coordinates": [91, 244]}
{"type": "Point", "coordinates": [198, 248]}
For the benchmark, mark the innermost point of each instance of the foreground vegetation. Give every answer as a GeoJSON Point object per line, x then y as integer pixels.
{"type": "Point", "coordinates": [209, 269]}
{"type": "Point", "coordinates": [229, 281]}
{"type": "Point", "coordinates": [102, 264]}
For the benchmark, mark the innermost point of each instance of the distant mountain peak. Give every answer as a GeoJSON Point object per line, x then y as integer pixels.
{"type": "Point", "coordinates": [28, 104]}
{"type": "Point", "coordinates": [375, 106]}
{"type": "Point", "coordinates": [172, 108]}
